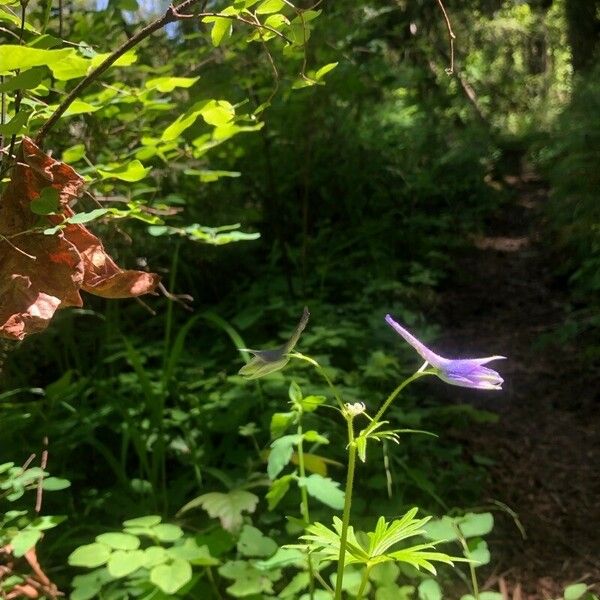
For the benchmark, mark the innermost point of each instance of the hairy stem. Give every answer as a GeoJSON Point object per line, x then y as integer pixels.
{"type": "Point", "coordinates": [304, 502]}
{"type": "Point", "coordinates": [347, 506]}
{"type": "Point", "coordinates": [363, 583]}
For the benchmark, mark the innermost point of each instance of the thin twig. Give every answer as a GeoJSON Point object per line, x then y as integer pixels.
{"type": "Point", "coordinates": [171, 15]}
{"type": "Point", "coordinates": [168, 17]}
{"type": "Point", "coordinates": [43, 465]}
{"type": "Point", "coordinates": [2, 237]}
{"type": "Point", "coordinates": [451, 36]}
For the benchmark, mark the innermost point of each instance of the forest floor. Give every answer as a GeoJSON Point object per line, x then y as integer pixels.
{"type": "Point", "coordinates": [546, 443]}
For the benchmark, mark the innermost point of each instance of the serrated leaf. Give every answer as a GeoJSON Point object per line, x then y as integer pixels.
{"type": "Point", "coordinates": [248, 580]}
{"type": "Point", "coordinates": [227, 507]}
{"type": "Point", "coordinates": [194, 554]}
{"type": "Point", "coordinates": [278, 490]}
{"type": "Point", "coordinates": [280, 422]}
{"type": "Point", "coordinates": [324, 489]}
{"type": "Point", "coordinates": [295, 393]}
{"type": "Point", "coordinates": [281, 454]}
{"type": "Point", "coordinates": [253, 542]}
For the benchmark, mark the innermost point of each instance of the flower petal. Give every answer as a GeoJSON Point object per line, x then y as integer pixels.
{"type": "Point", "coordinates": [435, 360]}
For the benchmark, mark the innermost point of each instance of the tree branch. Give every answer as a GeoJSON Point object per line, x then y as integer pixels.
{"type": "Point", "coordinates": [451, 36]}
{"type": "Point", "coordinates": [169, 17]}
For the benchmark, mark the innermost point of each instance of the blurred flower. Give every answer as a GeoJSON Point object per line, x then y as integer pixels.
{"type": "Point", "coordinates": [268, 361]}
{"type": "Point", "coordinates": [465, 372]}
{"type": "Point", "coordinates": [358, 408]}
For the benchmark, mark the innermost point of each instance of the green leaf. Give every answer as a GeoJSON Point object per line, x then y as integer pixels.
{"type": "Point", "coordinates": [217, 112]}
{"type": "Point", "coordinates": [209, 176]}
{"type": "Point", "coordinates": [324, 489]}
{"type": "Point", "coordinates": [90, 555]}
{"type": "Point", "coordinates": [46, 522]}
{"type": "Point", "coordinates": [311, 403]}
{"type": "Point", "coordinates": [119, 541]}
{"type": "Point", "coordinates": [429, 589]}
{"type": "Point", "coordinates": [74, 153]}
{"type": "Point", "coordinates": [166, 532]}
{"type": "Point", "coordinates": [228, 507]}
{"type": "Point", "coordinates": [17, 124]}
{"type": "Point", "coordinates": [283, 557]}
{"type": "Point", "coordinates": [295, 393]}
{"type": "Point", "coordinates": [194, 554]}
{"type": "Point", "coordinates": [133, 171]}
{"type": "Point", "coordinates": [25, 540]}
{"type": "Point", "coordinates": [478, 552]}
{"type": "Point", "coordinates": [269, 6]}
{"type": "Point", "coordinates": [278, 490]}
{"type": "Point", "coordinates": [298, 583]}
{"type": "Point", "coordinates": [155, 555]}
{"type": "Point", "coordinates": [248, 579]}
{"type": "Point", "coordinates": [470, 525]}
{"type": "Point", "coordinates": [172, 577]}
{"type": "Point", "coordinates": [86, 217]}
{"type": "Point", "coordinates": [123, 562]}
{"type": "Point", "coordinates": [79, 107]}
{"type": "Point", "coordinates": [320, 73]}
{"type": "Point", "coordinates": [46, 203]}
{"type": "Point", "coordinates": [280, 422]}
{"type": "Point", "coordinates": [148, 521]}
{"type": "Point", "coordinates": [281, 454]}
{"type": "Point", "coordinates": [314, 437]}
{"type": "Point", "coordinates": [55, 484]}
{"type": "Point", "coordinates": [13, 57]}
{"type": "Point", "coordinates": [252, 542]}
{"type": "Point", "coordinates": [26, 80]}
{"type": "Point", "coordinates": [575, 591]}
{"type": "Point", "coordinates": [168, 84]}
{"type": "Point", "coordinates": [221, 28]}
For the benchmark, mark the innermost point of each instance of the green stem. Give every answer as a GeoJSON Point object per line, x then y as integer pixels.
{"type": "Point", "coordinates": [304, 501]}
{"type": "Point", "coordinates": [363, 583]}
{"type": "Point", "coordinates": [347, 506]}
{"type": "Point", "coordinates": [395, 393]}
{"type": "Point", "coordinates": [465, 547]}
{"type": "Point", "coordinates": [331, 385]}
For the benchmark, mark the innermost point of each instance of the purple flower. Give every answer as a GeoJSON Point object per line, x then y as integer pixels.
{"type": "Point", "coordinates": [465, 372]}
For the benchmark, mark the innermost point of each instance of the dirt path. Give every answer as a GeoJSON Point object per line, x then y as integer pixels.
{"type": "Point", "coordinates": [546, 445]}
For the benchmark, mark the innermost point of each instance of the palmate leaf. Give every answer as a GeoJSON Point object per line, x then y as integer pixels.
{"type": "Point", "coordinates": [387, 535]}
{"type": "Point", "coordinates": [325, 543]}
